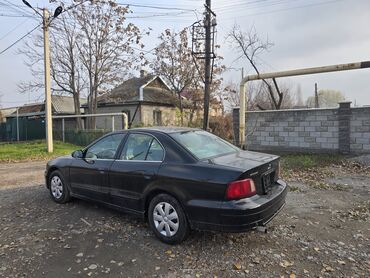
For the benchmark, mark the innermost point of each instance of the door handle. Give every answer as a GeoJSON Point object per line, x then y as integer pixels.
{"type": "Point", "coordinates": [101, 170]}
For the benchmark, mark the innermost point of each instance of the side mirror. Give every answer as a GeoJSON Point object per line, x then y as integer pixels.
{"type": "Point", "coordinates": [77, 154]}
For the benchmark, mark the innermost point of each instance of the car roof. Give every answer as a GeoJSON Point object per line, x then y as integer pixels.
{"type": "Point", "coordinates": [164, 129]}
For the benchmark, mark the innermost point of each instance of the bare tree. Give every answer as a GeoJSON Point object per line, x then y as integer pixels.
{"type": "Point", "coordinates": [66, 71]}
{"type": "Point", "coordinates": [91, 51]}
{"type": "Point", "coordinates": [105, 46]}
{"type": "Point", "coordinates": [327, 98]}
{"type": "Point", "coordinates": [250, 46]}
{"type": "Point", "coordinates": [299, 97]}
{"type": "Point", "coordinates": [174, 62]}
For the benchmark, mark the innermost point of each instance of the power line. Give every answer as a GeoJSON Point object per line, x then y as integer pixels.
{"type": "Point", "coordinates": [15, 7]}
{"type": "Point", "coordinates": [285, 9]}
{"type": "Point", "coordinates": [156, 7]}
{"type": "Point", "coordinates": [21, 38]}
{"type": "Point", "coordinates": [158, 15]}
{"type": "Point", "coordinates": [16, 27]}
{"type": "Point", "coordinates": [15, 15]}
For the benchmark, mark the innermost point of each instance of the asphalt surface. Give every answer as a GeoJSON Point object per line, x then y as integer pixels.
{"type": "Point", "coordinates": [320, 233]}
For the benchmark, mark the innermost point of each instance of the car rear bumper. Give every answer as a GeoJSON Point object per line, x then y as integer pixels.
{"type": "Point", "coordinates": [241, 215]}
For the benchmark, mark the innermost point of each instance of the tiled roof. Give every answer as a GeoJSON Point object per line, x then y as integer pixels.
{"type": "Point", "coordinates": [64, 104]}
{"type": "Point", "coordinates": [129, 91]}
{"type": "Point", "coordinates": [31, 108]}
{"type": "Point", "coordinates": [61, 105]}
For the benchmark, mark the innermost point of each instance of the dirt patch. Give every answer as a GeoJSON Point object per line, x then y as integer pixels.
{"type": "Point", "coordinates": [314, 236]}
{"type": "Point", "coordinates": [22, 173]}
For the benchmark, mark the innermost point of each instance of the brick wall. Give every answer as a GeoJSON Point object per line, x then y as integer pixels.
{"type": "Point", "coordinates": [343, 130]}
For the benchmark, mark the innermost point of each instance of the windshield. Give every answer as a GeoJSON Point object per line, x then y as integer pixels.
{"type": "Point", "coordinates": [203, 144]}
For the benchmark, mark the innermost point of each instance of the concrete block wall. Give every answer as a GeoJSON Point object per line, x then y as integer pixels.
{"type": "Point", "coordinates": [343, 130]}
{"type": "Point", "coordinates": [360, 130]}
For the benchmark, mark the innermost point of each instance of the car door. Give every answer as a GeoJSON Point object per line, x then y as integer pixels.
{"type": "Point", "coordinates": [136, 167]}
{"type": "Point", "coordinates": [89, 175]}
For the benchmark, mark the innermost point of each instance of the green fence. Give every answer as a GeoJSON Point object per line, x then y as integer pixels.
{"type": "Point", "coordinates": [29, 129]}
{"type": "Point", "coordinates": [79, 137]}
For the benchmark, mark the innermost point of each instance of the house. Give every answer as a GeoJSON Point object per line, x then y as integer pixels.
{"type": "Point", "coordinates": [30, 119]}
{"type": "Point", "coordinates": [147, 100]}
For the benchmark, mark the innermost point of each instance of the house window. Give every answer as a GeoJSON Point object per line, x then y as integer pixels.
{"type": "Point", "coordinates": [157, 117]}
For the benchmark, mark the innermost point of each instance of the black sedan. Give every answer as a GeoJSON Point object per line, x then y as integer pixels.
{"type": "Point", "coordinates": [178, 178]}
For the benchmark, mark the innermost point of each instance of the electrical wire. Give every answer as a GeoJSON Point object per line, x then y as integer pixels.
{"type": "Point", "coordinates": [156, 7]}
{"type": "Point", "coordinates": [21, 38]}
{"type": "Point", "coordinates": [284, 9]}
{"type": "Point", "coordinates": [16, 27]}
{"type": "Point", "coordinates": [16, 8]}
{"type": "Point", "coordinates": [15, 15]}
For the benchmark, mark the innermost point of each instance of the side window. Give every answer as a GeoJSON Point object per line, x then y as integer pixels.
{"type": "Point", "coordinates": [156, 152]}
{"type": "Point", "coordinates": [105, 148]}
{"type": "Point", "coordinates": [142, 147]}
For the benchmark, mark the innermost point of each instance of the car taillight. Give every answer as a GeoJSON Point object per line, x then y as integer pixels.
{"type": "Point", "coordinates": [240, 189]}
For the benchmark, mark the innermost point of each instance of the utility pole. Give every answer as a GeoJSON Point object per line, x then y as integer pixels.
{"type": "Point", "coordinates": [45, 26]}
{"type": "Point", "coordinates": [48, 117]}
{"type": "Point", "coordinates": [203, 47]}
{"type": "Point", "coordinates": [207, 67]}
{"type": "Point", "coordinates": [316, 97]}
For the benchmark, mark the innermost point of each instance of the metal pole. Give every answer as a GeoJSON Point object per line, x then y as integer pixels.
{"type": "Point", "coordinates": [207, 67]}
{"type": "Point", "coordinates": [242, 116]}
{"type": "Point", "coordinates": [316, 97]}
{"type": "Point", "coordinates": [125, 120]}
{"type": "Point", "coordinates": [48, 117]}
{"type": "Point", "coordinates": [63, 135]}
{"type": "Point", "coordinates": [17, 124]}
{"type": "Point", "coordinates": [305, 71]}
{"type": "Point", "coordinates": [112, 123]}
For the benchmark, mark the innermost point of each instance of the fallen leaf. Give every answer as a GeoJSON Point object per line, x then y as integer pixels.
{"type": "Point", "coordinates": [341, 262]}
{"type": "Point", "coordinates": [237, 266]}
{"type": "Point", "coordinates": [286, 263]}
{"type": "Point", "coordinates": [93, 266]}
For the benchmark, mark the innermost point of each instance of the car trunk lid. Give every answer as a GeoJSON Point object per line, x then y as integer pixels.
{"type": "Point", "coordinates": [261, 167]}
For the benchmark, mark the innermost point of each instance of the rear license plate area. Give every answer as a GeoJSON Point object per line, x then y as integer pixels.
{"type": "Point", "coordinates": [267, 180]}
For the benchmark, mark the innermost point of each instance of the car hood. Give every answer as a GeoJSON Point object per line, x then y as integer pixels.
{"type": "Point", "coordinates": [244, 160]}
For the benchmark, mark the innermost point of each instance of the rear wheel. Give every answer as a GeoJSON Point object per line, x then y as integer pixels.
{"type": "Point", "coordinates": [167, 219]}
{"type": "Point", "coordinates": [59, 191]}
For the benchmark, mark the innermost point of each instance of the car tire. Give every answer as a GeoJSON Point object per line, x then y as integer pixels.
{"type": "Point", "coordinates": [59, 190]}
{"type": "Point", "coordinates": [167, 219]}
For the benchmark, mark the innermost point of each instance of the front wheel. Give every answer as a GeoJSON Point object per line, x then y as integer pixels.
{"type": "Point", "coordinates": [59, 191]}
{"type": "Point", "coordinates": [167, 219]}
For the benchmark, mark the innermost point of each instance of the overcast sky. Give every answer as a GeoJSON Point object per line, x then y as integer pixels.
{"type": "Point", "coordinates": [305, 33]}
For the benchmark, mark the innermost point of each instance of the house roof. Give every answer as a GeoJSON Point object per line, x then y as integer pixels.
{"type": "Point", "coordinates": [140, 89]}
{"type": "Point", "coordinates": [61, 105]}
{"type": "Point", "coordinates": [30, 108]}
{"type": "Point", "coordinates": [64, 104]}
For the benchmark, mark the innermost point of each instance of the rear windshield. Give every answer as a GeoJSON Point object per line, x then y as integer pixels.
{"type": "Point", "coordinates": [203, 144]}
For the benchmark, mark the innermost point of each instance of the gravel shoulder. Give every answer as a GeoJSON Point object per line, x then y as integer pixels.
{"type": "Point", "coordinates": [320, 233]}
